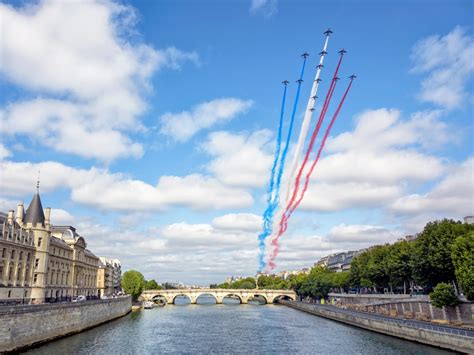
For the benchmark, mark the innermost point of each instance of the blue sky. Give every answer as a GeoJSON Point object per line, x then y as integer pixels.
{"type": "Point", "coordinates": [153, 124]}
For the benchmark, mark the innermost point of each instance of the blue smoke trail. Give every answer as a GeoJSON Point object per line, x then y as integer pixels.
{"type": "Point", "coordinates": [268, 214]}
{"type": "Point", "coordinates": [273, 203]}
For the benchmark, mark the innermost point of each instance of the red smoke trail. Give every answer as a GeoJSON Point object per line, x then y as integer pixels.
{"type": "Point", "coordinates": [284, 225]}
{"type": "Point", "coordinates": [324, 109]}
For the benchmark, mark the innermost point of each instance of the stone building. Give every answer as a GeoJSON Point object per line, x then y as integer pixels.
{"type": "Point", "coordinates": [105, 281]}
{"type": "Point", "coordinates": [41, 262]}
{"type": "Point", "coordinates": [85, 264]}
{"type": "Point", "coordinates": [17, 253]}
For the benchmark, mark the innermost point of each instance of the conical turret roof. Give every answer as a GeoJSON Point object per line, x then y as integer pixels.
{"type": "Point", "coordinates": [34, 213]}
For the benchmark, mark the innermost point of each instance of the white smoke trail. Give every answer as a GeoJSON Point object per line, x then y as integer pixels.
{"type": "Point", "coordinates": [301, 140]}
{"type": "Point", "coordinates": [305, 125]}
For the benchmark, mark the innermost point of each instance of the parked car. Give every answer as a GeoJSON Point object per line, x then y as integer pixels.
{"type": "Point", "coordinates": [79, 298]}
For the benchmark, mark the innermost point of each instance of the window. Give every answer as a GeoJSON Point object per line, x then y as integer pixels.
{"type": "Point", "coordinates": [21, 255]}
{"type": "Point", "coordinates": [25, 294]}
{"type": "Point", "coordinates": [52, 276]}
{"type": "Point", "coordinates": [4, 251]}
{"type": "Point", "coordinates": [39, 242]}
{"type": "Point", "coordinates": [35, 278]}
{"type": "Point", "coordinates": [13, 254]}
{"type": "Point", "coordinates": [9, 293]}
{"type": "Point", "coordinates": [27, 274]}
{"type": "Point", "coordinates": [10, 272]}
{"type": "Point", "coordinates": [37, 263]}
{"type": "Point", "coordinates": [28, 257]}
{"type": "Point", "coordinates": [18, 274]}
{"type": "Point", "coordinates": [1, 272]}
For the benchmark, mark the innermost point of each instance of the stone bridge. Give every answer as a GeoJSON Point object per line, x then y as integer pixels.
{"type": "Point", "coordinates": [244, 295]}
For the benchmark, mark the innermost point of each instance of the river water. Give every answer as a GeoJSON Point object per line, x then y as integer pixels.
{"type": "Point", "coordinates": [230, 328]}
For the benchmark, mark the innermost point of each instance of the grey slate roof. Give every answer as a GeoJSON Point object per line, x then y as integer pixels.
{"type": "Point", "coordinates": [34, 213]}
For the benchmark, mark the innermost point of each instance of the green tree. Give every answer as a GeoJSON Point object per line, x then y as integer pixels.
{"type": "Point", "coordinates": [463, 259]}
{"type": "Point", "coordinates": [133, 283]}
{"type": "Point", "coordinates": [340, 280]}
{"type": "Point", "coordinates": [398, 265]}
{"type": "Point", "coordinates": [431, 261]}
{"type": "Point", "coordinates": [443, 295]}
{"type": "Point", "coordinates": [151, 285]}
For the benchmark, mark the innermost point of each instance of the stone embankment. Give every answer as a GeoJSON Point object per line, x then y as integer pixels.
{"type": "Point", "coordinates": [416, 307]}
{"type": "Point", "coordinates": [451, 338]}
{"type": "Point", "coordinates": [26, 326]}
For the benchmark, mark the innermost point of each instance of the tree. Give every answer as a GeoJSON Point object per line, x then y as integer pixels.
{"type": "Point", "coordinates": [151, 285]}
{"type": "Point", "coordinates": [463, 259]}
{"type": "Point", "coordinates": [431, 261]}
{"type": "Point", "coordinates": [133, 283]}
{"type": "Point", "coordinates": [443, 295]}
{"type": "Point", "coordinates": [340, 280]}
{"type": "Point", "coordinates": [398, 264]}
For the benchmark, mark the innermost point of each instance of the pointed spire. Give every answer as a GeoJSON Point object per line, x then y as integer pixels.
{"type": "Point", "coordinates": [34, 213]}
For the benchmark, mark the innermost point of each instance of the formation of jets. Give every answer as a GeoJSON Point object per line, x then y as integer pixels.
{"type": "Point", "coordinates": [305, 55]}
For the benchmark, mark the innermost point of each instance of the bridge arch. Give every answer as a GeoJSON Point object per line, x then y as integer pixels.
{"type": "Point", "coordinates": [262, 296]}
{"type": "Point", "coordinates": [230, 294]}
{"type": "Point", "coordinates": [283, 297]}
{"type": "Point", "coordinates": [206, 294]}
{"type": "Point", "coordinates": [183, 294]}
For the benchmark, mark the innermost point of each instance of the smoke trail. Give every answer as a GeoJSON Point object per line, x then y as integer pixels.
{"type": "Point", "coordinates": [273, 255]}
{"type": "Point", "coordinates": [306, 121]}
{"type": "Point", "coordinates": [273, 203]}
{"type": "Point", "coordinates": [267, 215]}
{"type": "Point", "coordinates": [322, 115]}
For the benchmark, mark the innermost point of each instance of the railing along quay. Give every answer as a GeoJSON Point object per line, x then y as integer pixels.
{"type": "Point", "coordinates": [400, 322]}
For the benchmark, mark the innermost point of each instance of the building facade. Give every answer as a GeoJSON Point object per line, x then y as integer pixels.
{"type": "Point", "coordinates": [40, 262]}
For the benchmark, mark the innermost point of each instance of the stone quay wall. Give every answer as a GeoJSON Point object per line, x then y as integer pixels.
{"type": "Point", "coordinates": [26, 326]}
{"type": "Point", "coordinates": [418, 307]}
{"type": "Point", "coordinates": [458, 343]}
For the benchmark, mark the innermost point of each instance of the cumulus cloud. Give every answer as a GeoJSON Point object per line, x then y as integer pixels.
{"type": "Point", "coordinates": [61, 217]}
{"type": "Point", "coordinates": [90, 77]}
{"type": "Point", "coordinates": [372, 165]}
{"type": "Point", "coordinates": [182, 126]}
{"type": "Point", "coordinates": [452, 197]}
{"type": "Point", "coordinates": [448, 62]}
{"type": "Point", "coordinates": [238, 221]}
{"type": "Point", "coordinates": [239, 159]}
{"type": "Point", "coordinates": [4, 152]}
{"type": "Point", "coordinates": [108, 191]}
{"type": "Point", "coordinates": [267, 8]}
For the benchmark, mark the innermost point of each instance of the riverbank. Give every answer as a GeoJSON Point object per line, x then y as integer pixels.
{"type": "Point", "coordinates": [25, 326]}
{"type": "Point", "coordinates": [438, 336]}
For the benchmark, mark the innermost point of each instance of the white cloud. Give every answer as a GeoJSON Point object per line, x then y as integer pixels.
{"type": "Point", "coordinates": [374, 164]}
{"type": "Point", "coordinates": [453, 196]}
{"type": "Point", "coordinates": [267, 8]}
{"type": "Point", "coordinates": [238, 221]}
{"type": "Point", "coordinates": [182, 126]}
{"type": "Point", "coordinates": [89, 74]}
{"type": "Point", "coordinates": [61, 217]}
{"type": "Point", "coordinates": [121, 193]}
{"type": "Point", "coordinates": [240, 159]}
{"type": "Point", "coordinates": [4, 152]}
{"type": "Point", "coordinates": [448, 61]}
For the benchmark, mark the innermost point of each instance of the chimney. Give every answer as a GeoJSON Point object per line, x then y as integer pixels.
{"type": "Point", "coordinates": [10, 217]}
{"type": "Point", "coordinates": [20, 212]}
{"type": "Point", "coordinates": [47, 216]}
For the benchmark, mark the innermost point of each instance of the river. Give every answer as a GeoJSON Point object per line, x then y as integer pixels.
{"type": "Point", "coordinates": [230, 328]}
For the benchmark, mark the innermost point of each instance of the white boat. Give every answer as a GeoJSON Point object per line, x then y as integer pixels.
{"type": "Point", "coordinates": [148, 305]}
